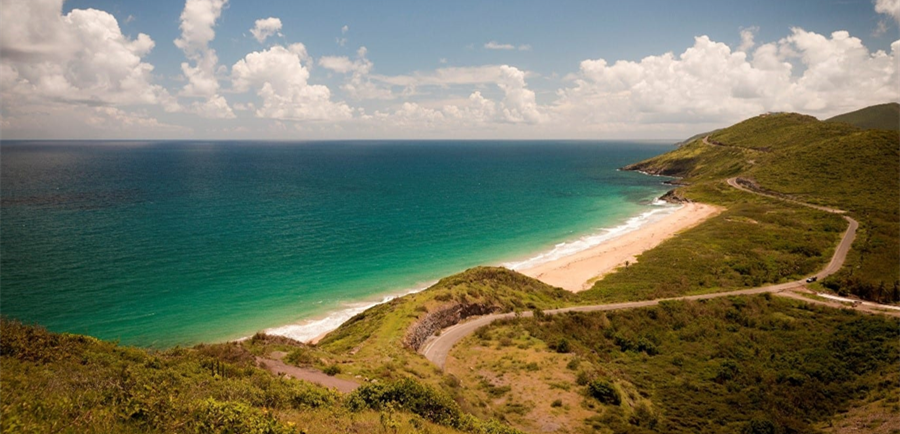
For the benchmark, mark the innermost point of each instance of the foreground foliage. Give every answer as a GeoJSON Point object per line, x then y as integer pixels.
{"type": "Point", "coordinates": [728, 365]}
{"type": "Point", "coordinates": [70, 383]}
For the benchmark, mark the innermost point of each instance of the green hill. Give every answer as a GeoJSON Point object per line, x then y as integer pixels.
{"type": "Point", "coordinates": [827, 163]}
{"type": "Point", "coordinates": [882, 116]}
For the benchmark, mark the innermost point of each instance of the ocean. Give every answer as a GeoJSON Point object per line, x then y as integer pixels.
{"type": "Point", "coordinates": [158, 244]}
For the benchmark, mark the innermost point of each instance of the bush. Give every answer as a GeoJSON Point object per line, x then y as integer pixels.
{"type": "Point", "coordinates": [212, 416]}
{"type": "Point", "coordinates": [604, 392]}
{"type": "Point", "coordinates": [408, 395]}
{"type": "Point", "coordinates": [300, 357]}
{"type": "Point", "coordinates": [759, 426]}
{"type": "Point", "coordinates": [332, 370]}
{"type": "Point", "coordinates": [556, 403]}
{"type": "Point", "coordinates": [562, 346]}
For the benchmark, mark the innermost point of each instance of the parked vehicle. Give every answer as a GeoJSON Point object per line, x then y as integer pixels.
{"type": "Point", "coordinates": [812, 279]}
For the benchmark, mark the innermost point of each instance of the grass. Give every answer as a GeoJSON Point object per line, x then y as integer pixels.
{"type": "Point", "coordinates": [374, 344]}
{"type": "Point", "coordinates": [882, 116]}
{"type": "Point", "coordinates": [755, 241]}
{"type": "Point", "coordinates": [827, 163]}
{"type": "Point", "coordinates": [720, 365]}
{"type": "Point", "coordinates": [77, 384]}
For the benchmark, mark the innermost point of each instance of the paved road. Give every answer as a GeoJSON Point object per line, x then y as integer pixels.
{"type": "Point", "coordinates": [437, 348]}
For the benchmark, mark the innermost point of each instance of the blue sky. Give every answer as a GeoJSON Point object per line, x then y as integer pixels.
{"type": "Point", "coordinates": [464, 69]}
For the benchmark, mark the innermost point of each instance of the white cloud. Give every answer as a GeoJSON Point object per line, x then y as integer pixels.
{"type": "Point", "coordinates": [214, 107]}
{"type": "Point", "coordinates": [281, 80]}
{"type": "Point", "coordinates": [264, 28]}
{"type": "Point", "coordinates": [709, 83]}
{"type": "Point", "coordinates": [494, 45]}
{"type": "Point", "coordinates": [339, 64]}
{"type": "Point", "coordinates": [747, 36]}
{"type": "Point", "coordinates": [889, 7]}
{"type": "Point", "coordinates": [198, 20]}
{"type": "Point", "coordinates": [518, 105]}
{"type": "Point", "coordinates": [345, 29]}
{"type": "Point", "coordinates": [358, 85]}
{"type": "Point", "coordinates": [446, 76]}
{"type": "Point", "coordinates": [79, 58]}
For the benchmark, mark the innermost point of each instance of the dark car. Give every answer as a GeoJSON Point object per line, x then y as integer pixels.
{"type": "Point", "coordinates": [812, 279]}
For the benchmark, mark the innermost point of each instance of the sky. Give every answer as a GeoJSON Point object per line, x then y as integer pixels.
{"type": "Point", "coordinates": [523, 69]}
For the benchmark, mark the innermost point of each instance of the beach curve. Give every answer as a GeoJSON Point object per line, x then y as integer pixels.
{"type": "Point", "coordinates": [578, 271]}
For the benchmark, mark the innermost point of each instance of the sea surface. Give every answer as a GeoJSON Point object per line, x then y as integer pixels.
{"type": "Point", "coordinates": [159, 244]}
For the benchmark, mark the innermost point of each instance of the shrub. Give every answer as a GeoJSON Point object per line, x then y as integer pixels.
{"type": "Point", "coordinates": [300, 356]}
{"type": "Point", "coordinates": [562, 346]}
{"type": "Point", "coordinates": [604, 392]}
{"type": "Point", "coordinates": [408, 395]}
{"type": "Point", "coordinates": [212, 416]}
{"type": "Point", "coordinates": [759, 426]}
{"type": "Point", "coordinates": [332, 370]}
{"type": "Point", "coordinates": [556, 403]}
{"type": "Point", "coordinates": [583, 378]}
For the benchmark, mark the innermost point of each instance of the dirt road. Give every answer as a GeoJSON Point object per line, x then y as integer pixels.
{"type": "Point", "coordinates": [437, 348]}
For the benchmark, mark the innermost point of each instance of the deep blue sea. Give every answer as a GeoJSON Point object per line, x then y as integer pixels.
{"type": "Point", "coordinates": [159, 244]}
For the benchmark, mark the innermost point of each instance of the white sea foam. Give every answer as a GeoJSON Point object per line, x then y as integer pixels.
{"type": "Point", "coordinates": [561, 250]}
{"type": "Point", "coordinates": [310, 329]}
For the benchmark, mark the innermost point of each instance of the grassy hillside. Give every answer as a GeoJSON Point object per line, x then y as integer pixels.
{"type": "Point", "coordinates": [760, 364]}
{"type": "Point", "coordinates": [827, 163]}
{"type": "Point", "coordinates": [882, 116]}
{"type": "Point", "coordinates": [378, 343]}
{"type": "Point", "coordinates": [77, 384]}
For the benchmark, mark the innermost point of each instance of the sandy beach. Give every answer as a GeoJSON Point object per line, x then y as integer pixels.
{"type": "Point", "coordinates": [578, 272]}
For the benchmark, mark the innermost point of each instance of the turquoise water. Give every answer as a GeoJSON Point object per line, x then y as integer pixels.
{"type": "Point", "coordinates": [172, 243]}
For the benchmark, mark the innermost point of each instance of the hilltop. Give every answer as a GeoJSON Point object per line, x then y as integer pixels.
{"type": "Point", "coordinates": [882, 116]}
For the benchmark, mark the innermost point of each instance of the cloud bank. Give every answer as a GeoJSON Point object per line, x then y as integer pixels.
{"type": "Point", "coordinates": [52, 63]}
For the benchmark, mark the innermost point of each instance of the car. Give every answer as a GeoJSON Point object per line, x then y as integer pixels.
{"type": "Point", "coordinates": [812, 279]}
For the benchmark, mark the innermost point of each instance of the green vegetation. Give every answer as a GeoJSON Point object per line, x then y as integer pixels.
{"type": "Point", "coordinates": [882, 116]}
{"type": "Point", "coordinates": [727, 365]}
{"type": "Point", "coordinates": [735, 365]}
{"type": "Point", "coordinates": [379, 343]}
{"type": "Point", "coordinates": [754, 242]}
{"type": "Point", "coordinates": [795, 156]}
{"type": "Point", "coordinates": [78, 384]}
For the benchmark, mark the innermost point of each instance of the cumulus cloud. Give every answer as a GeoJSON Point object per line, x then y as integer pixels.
{"type": "Point", "coordinates": [264, 28]}
{"type": "Point", "coordinates": [198, 21]}
{"type": "Point", "coordinates": [281, 81]}
{"type": "Point", "coordinates": [710, 83]}
{"type": "Point", "coordinates": [889, 7]}
{"type": "Point", "coordinates": [79, 58]}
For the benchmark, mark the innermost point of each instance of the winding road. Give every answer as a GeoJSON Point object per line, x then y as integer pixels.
{"type": "Point", "coordinates": [437, 348]}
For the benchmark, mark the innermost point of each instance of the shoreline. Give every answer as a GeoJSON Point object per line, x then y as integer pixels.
{"type": "Point", "coordinates": [578, 272]}
{"type": "Point", "coordinates": [565, 265]}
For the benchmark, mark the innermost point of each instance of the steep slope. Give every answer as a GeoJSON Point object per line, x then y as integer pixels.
{"type": "Point", "coordinates": [882, 116]}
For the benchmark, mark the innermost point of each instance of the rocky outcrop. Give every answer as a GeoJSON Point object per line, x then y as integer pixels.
{"type": "Point", "coordinates": [445, 316]}
{"type": "Point", "coordinates": [674, 196]}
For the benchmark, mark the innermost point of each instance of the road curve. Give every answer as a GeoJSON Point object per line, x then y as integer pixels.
{"type": "Point", "coordinates": [437, 348]}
